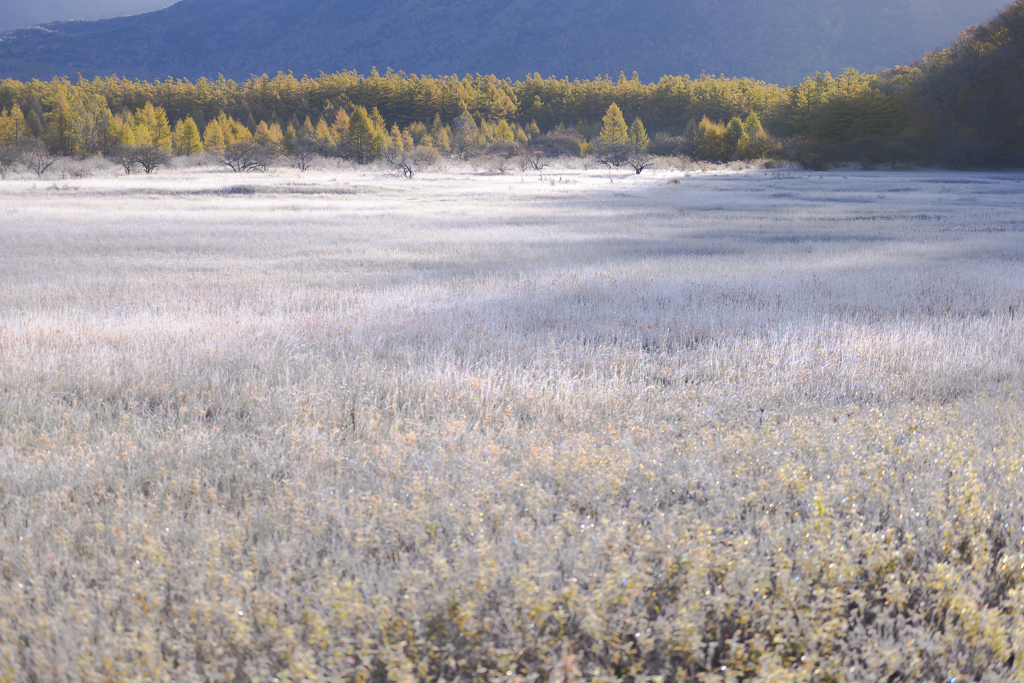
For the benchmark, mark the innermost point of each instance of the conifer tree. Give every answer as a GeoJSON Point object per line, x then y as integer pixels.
{"type": "Point", "coordinates": [339, 129]}
{"type": "Point", "coordinates": [268, 135]}
{"type": "Point", "coordinates": [362, 136]}
{"type": "Point", "coordinates": [122, 130]}
{"type": "Point", "coordinates": [142, 135]}
{"type": "Point", "coordinates": [442, 140]}
{"type": "Point", "coordinates": [614, 129]}
{"type": "Point", "coordinates": [733, 132]}
{"type": "Point", "coordinates": [395, 139]}
{"type": "Point", "coordinates": [13, 126]}
{"type": "Point", "coordinates": [234, 131]}
{"type": "Point", "coordinates": [709, 140]}
{"type": "Point", "coordinates": [214, 139]}
{"type": "Point", "coordinates": [276, 134]}
{"type": "Point", "coordinates": [638, 134]}
{"type": "Point", "coordinates": [154, 120]}
{"type": "Point", "coordinates": [752, 126]}
{"type": "Point", "coordinates": [379, 126]}
{"type": "Point", "coordinates": [504, 132]}
{"type": "Point", "coordinates": [186, 138]}
{"type": "Point", "coordinates": [436, 126]}
{"type": "Point", "coordinates": [89, 117]}
{"type": "Point", "coordinates": [307, 131]}
{"type": "Point", "coordinates": [323, 138]}
{"type": "Point", "coordinates": [59, 120]}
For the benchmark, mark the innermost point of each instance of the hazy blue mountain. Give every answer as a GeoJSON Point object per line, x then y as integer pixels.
{"type": "Point", "coordinates": [20, 13]}
{"type": "Point", "coordinates": [779, 41]}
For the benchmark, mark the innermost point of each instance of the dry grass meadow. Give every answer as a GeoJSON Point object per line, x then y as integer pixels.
{"type": "Point", "coordinates": [471, 428]}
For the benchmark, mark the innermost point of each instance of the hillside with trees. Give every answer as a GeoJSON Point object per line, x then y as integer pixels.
{"type": "Point", "coordinates": [959, 106]}
{"type": "Point", "coordinates": [778, 42]}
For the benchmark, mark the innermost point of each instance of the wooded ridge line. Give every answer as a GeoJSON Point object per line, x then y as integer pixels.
{"type": "Point", "coordinates": [963, 105]}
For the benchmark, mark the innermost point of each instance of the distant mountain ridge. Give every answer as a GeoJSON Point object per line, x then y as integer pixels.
{"type": "Point", "coordinates": [16, 14]}
{"type": "Point", "coordinates": [780, 42]}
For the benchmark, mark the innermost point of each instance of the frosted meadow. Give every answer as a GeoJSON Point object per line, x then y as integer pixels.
{"type": "Point", "coordinates": [760, 425]}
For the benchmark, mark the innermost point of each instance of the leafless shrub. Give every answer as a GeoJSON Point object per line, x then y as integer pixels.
{"type": "Point", "coordinates": [9, 156]}
{"type": "Point", "coordinates": [124, 156]}
{"type": "Point", "coordinates": [639, 158]}
{"type": "Point", "coordinates": [37, 158]}
{"type": "Point", "coordinates": [151, 157]}
{"type": "Point", "coordinates": [74, 168]}
{"type": "Point", "coordinates": [567, 142]}
{"type": "Point", "coordinates": [666, 145]}
{"type": "Point", "coordinates": [303, 154]}
{"type": "Point", "coordinates": [246, 156]}
{"type": "Point", "coordinates": [612, 154]}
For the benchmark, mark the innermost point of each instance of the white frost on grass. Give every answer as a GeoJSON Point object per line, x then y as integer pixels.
{"type": "Point", "coordinates": [295, 355]}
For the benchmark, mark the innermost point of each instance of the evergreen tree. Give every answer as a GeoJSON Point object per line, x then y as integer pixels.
{"type": "Point", "coordinates": [13, 126]}
{"type": "Point", "coordinates": [59, 123]}
{"type": "Point", "coordinates": [214, 139]}
{"type": "Point", "coordinates": [90, 117]}
{"type": "Point", "coordinates": [396, 142]}
{"type": "Point", "coordinates": [614, 129]}
{"type": "Point", "coordinates": [276, 134]}
{"type": "Point", "coordinates": [467, 134]}
{"type": "Point", "coordinates": [186, 138]}
{"type": "Point", "coordinates": [443, 140]}
{"type": "Point", "coordinates": [504, 132]}
{"type": "Point", "coordinates": [362, 136]}
{"type": "Point", "coordinates": [733, 132]}
{"type": "Point", "coordinates": [752, 126]}
{"type": "Point", "coordinates": [307, 131]}
{"type": "Point", "coordinates": [379, 126]}
{"type": "Point", "coordinates": [436, 126]}
{"type": "Point", "coordinates": [638, 134]}
{"type": "Point", "coordinates": [154, 120]}
{"type": "Point", "coordinates": [290, 136]}
{"type": "Point", "coordinates": [267, 135]}
{"type": "Point", "coordinates": [709, 143]}
{"type": "Point", "coordinates": [121, 130]}
{"type": "Point", "coordinates": [339, 129]}
{"type": "Point", "coordinates": [323, 138]}
{"type": "Point", "coordinates": [234, 131]}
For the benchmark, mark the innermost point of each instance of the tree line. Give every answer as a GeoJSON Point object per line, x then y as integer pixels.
{"type": "Point", "coordinates": [960, 106]}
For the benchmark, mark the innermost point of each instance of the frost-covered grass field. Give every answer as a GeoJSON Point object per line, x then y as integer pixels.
{"type": "Point", "coordinates": [590, 427]}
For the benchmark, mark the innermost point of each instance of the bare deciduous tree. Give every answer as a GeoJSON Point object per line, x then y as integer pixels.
{"type": "Point", "coordinates": [639, 158]}
{"type": "Point", "coordinates": [399, 160]}
{"type": "Point", "coordinates": [537, 160]}
{"type": "Point", "coordinates": [8, 158]}
{"type": "Point", "coordinates": [123, 156]}
{"type": "Point", "coordinates": [303, 154]}
{"type": "Point", "coordinates": [612, 154]}
{"type": "Point", "coordinates": [504, 154]}
{"type": "Point", "coordinates": [409, 162]}
{"type": "Point", "coordinates": [248, 156]}
{"type": "Point", "coordinates": [38, 158]}
{"type": "Point", "coordinates": [151, 157]}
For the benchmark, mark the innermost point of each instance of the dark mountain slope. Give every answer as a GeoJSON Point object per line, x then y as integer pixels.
{"type": "Point", "coordinates": [780, 41]}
